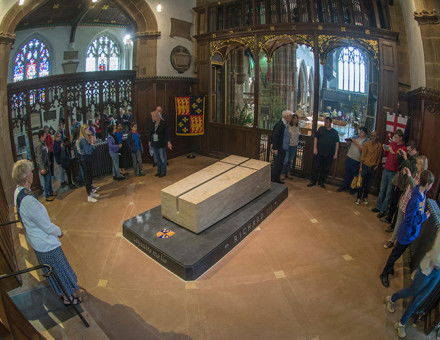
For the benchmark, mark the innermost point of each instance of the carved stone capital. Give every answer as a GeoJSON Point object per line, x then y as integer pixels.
{"type": "Point", "coordinates": [7, 38]}
{"type": "Point", "coordinates": [149, 35]}
{"type": "Point", "coordinates": [427, 17]}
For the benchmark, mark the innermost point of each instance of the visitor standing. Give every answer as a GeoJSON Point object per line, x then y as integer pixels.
{"type": "Point", "coordinates": [135, 145]}
{"type": "Point", "coordinates": [293, 146]}
{"type": "Point", "coordinates": [370, 160]}
{"type": "Point", "coordinates": [43, 165]}
{"type": "Point", "coordinates": [67, 157]}
{"type": "Point", "coordinates": [391, 167]}
{"type": "Point", "coordinates": [43, 236]}
{"type": "Point", "coordinates": [113, 148]}
{"type": "Point", "coordinates": [413, 179]}
{"type": "Point", "coordinates": [426, 279]}
{"type": "Point", "coordinates": [49, 144]}
{"type": "Point", "coordinates": [159, 141]}
{"type": "Point", "coordinates": [86, 146]}
{"type": "Point", "coordinates": [325, 149]}
{"type": "Point", "coordinates": [353, 159]}
{"type": "Point", "coordinates": [405, 159]}
{"type": "Point", "coordinates": [280, 144]}
{"type": "Point", "coordinates": [409, 229]}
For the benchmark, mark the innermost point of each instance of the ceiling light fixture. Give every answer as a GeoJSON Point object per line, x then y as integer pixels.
{"type": "Point", "coordinates": [94, 1]}
{"type": "Point", "coordinates": [159, 7]}
{"type": "Point", "coordinates": [20, 2]}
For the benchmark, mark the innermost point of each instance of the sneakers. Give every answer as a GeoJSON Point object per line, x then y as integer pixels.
{"type": "Point", "coordinates": [388, 244]}
{"type": "Point", "coordinates": [365, 201]}
{"type": "Point", "coordinates": [385, 281]}
{"type": "Point", "coordinates": [50, 198]}
{"type": "Point", "coordinates": [311, 184]}
{"type": "Point", "coordinates": [391, 308]}
{"type": "Point", "coordinates": [94, 194]}
{"type": "Point", "coordinates": [91, 199]}
{"type": "Point", "coordinates": [375, 210]}
{"type": "Point", "coordinates": [380, 215]}
{"type": "Point", "coordinates": [400, 329]}
{"type": "Point", "coordinates": [358, 201]}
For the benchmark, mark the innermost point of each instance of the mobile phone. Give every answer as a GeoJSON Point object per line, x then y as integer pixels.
{"type": "Point", "coordinates": [348, 139]}
{"type": "Point", "coordinates": [387, 147]}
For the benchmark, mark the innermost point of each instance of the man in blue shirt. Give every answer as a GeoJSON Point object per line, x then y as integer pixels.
{"type": "Point", "coordinates": [409, 229]}
{"type": "Point", "coordinates": [134, 142]}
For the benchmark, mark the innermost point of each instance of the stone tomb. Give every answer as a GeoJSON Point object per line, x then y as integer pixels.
{"type": "Point", "coordinates": [209, 195]}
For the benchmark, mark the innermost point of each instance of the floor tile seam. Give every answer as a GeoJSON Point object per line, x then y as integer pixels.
{"type": "Point", "coordinates": [118, 242]}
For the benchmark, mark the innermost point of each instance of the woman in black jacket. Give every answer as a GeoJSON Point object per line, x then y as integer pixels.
{"type": "Point", "coordinates": [159, 141]}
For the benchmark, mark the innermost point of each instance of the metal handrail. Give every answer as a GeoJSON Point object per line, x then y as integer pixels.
{"type": "Point", "coordinates": [8, 223]}
{"type": "Point", "coordinates": [51, 273]}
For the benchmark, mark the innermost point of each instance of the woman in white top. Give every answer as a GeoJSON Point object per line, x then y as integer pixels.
{"type": "Point", "coordinates": [42, 235]}
{"type": "Point", "coordinates": [426, 279]}
{"type": "Point", "coordinates": [293, 146]}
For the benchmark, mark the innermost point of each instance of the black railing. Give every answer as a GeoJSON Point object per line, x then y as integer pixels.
{"type": "Point", "coordinates": [49, 273]}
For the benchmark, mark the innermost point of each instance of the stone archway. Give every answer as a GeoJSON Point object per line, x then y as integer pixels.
{"type": "Point", "coordinates": [144, 61]}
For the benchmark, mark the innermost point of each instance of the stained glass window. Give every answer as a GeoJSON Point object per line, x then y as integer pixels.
{"type": "Point", "coordinates": [32, 61]}
{"type": "Point", "coordinates": [351, 70]}
{"type": "Point", "coordinates": [103, 54]}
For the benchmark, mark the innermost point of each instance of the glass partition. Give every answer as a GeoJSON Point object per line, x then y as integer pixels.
{"type": "Point", "coordinates": [349, 91]}
{"type": "Point", "coordinates": [239, 89]}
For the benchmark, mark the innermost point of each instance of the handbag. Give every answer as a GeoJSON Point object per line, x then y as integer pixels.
{"type": "Point", "coordinates": [356, 183]}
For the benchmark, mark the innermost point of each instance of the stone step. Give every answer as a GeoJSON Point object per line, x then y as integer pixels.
{"type": "Point", "coordinates": [47, 313]}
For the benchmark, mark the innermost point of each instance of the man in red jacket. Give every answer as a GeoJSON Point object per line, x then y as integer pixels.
{"type": "Point", "coordinates": [390, 169]}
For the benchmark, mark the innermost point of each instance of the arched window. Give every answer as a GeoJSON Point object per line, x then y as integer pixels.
{"type": "Point", "coordinates": [32, 61]}
{"type": "Point", "coordinates": [351, 70]}
{"type": "Point", "coordinates": [103, 54]}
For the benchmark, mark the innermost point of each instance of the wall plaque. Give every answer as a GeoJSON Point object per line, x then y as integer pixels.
{"type": "Point", "coordinates": [180, 28]}
{"type": "Point", "coordinates": [180, 59]}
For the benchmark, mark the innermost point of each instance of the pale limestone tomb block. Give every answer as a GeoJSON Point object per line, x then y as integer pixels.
{"type": "Point", "coordinates": [209, 195]}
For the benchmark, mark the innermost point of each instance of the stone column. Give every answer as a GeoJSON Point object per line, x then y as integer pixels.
{"type": "Point", "coordinates": [6, 159]}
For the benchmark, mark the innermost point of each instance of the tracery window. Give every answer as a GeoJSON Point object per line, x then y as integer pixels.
{"type": "Point", "coordinates": [351, 70]}
{"type": "Point", "coordinates": [103, 54]}
{"type": "Point", "coordinates": [32, 61]}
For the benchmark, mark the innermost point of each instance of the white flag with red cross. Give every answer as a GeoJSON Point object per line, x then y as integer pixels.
{"type": "Point", "coordinates": [395, 122]}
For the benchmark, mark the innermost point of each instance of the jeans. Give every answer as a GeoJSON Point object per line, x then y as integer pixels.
{"type": "Point", "coordinates": [69, 175]}
{"type": "Point", "coordinates": [351, 171]}
{"type": "Point", "coordinates": [386, 187]}
{"type": "Point", "coordinates": [115, 162]}
{"type": "Point", "coordinates": [367, 175]}
{"type": "Point", "coordinates": [277, 167]}
{"type": "Point", "coordinates": [46, 180]}
{"type": "Point", "coordinates": [288, 159]}
{"type": "Point", "coordinates": [421, 287]}
{"type": "Point", "coordinates": [321, 167]}
{"type": "Point", "coordinates": [137, 161]}
{"type": "Point", "coordinates": [160, 154]}
{"type": "Point", "coordinates": [399, 219]}
{"type": "Point", "coordinates": [397, 251]}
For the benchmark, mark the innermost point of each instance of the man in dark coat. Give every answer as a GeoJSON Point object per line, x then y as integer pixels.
{"type": "Point", "coordinates": [325, 149]}
{"type": "Point", "coordinates": [280, 143]}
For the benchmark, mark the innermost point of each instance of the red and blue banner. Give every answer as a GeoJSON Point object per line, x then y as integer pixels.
{"type": "Point", "coordinates": [190, 116]}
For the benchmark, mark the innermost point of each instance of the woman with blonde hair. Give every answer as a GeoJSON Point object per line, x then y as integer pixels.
{"type": "Point", "coordinates": [413, 180]}
{"type": "Point", "coordinates": [86, 143]}
{"type": "Point", "coordinates": [42, 235]}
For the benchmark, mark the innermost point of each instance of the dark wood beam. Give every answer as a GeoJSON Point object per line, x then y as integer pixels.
{"type": "Point", "coordinates": [76, 22]}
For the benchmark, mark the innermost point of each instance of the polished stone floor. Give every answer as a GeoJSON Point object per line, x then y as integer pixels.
{"type": "Point", "coordinates": [309, 271]}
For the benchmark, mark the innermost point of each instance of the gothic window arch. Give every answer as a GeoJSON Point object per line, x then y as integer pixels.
{"type": "Point", "coordinates": [351, 70]}
{"type": "Point", "coordinates": [33, 60]}
{"type": "Point", "coordinates": [103, 54]}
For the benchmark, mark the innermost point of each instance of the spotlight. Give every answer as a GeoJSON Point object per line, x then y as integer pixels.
{"type": "Point", "coordinates": [94, 1]}
{"type": "Point", "coordinates": [20, 2]}
{"type": "Point", "coordinates": [159, 7]}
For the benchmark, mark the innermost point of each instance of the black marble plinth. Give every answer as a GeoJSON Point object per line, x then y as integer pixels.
{"type": "Point", "coordinates": [189, 255]}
